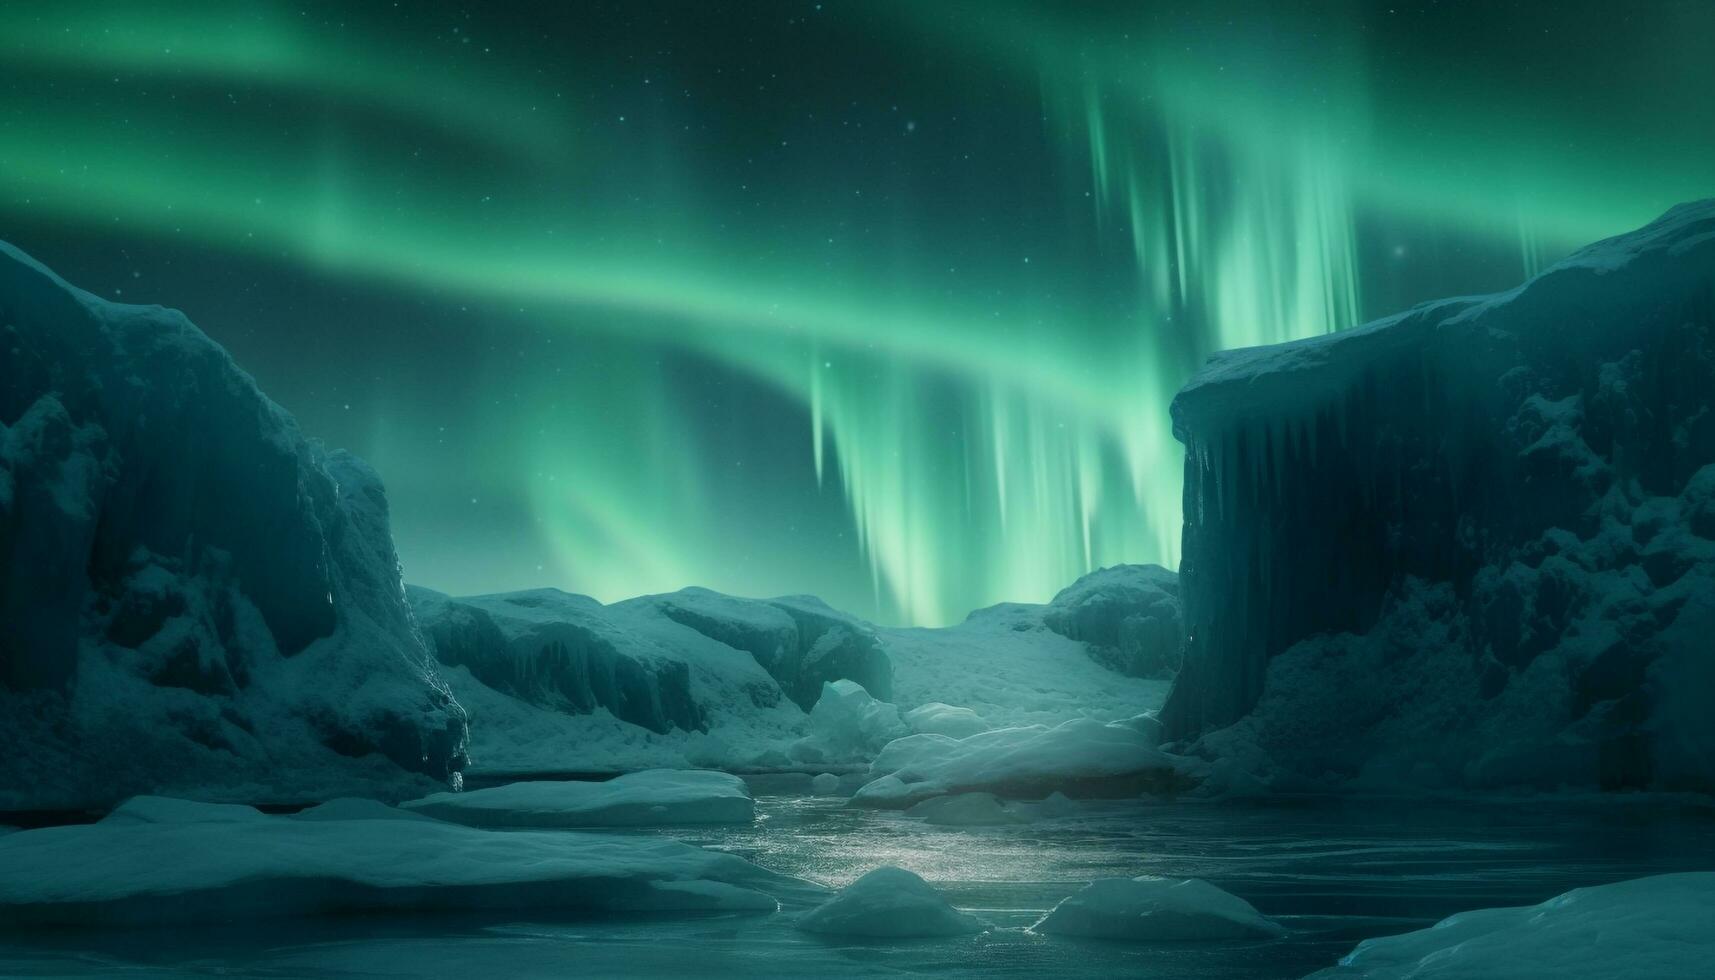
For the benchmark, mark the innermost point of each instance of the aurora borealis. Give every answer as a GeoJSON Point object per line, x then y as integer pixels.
{"type": "Point", "coordinates": [878, 301]}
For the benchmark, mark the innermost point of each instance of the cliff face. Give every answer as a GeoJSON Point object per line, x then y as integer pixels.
{"type": "Point", "coordinates": [1470, 544]}
{"type": "Point", "coordinates": [193, 597]}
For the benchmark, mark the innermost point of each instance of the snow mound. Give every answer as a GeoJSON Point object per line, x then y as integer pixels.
{"type": "Point", "coordinates": [193, 595]}
{"type": "Point", "coordinates": [889, 903]}
{"type": "Point", "coordinates": [1081, 757]}
{"type": "Point", "coordinates": [164, 809]}
{"type": "Point", "coordinates": [936, 718]}
{"type": "Point", "coordinates": [1467, 546]}
{"type": "Point", "coordinates": [1656, 928]}
{"type": "Point", "coordinates": [1152, 909]}
{"type": "Point", "coordinates": [848, 725]}
{"type": "Point", "coordinates": [966, 810]}
{"type": "Point", "coordinates": [168, 873]}
{"type": "Point", "coordinates": [353, 808]}
{"type": "Point", "coordinates": [639, 799]}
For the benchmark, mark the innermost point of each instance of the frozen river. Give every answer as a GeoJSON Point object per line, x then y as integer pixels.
{"type": "Point", "coordinates": [1332, 873]}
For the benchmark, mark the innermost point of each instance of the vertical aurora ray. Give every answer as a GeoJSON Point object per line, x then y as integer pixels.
{"type": "Point", "coordinates": [888, 310]}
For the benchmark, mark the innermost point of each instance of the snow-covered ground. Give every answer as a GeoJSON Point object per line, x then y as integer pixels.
{"type": "Point", "coordinates": [168, 862]}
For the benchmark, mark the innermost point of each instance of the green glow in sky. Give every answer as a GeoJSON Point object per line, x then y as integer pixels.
{"type": "Point", "coordinates": [882, 302]}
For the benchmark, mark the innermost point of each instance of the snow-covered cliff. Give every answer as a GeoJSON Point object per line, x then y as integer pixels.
{"type": "Point", "coordinates": [193, 597]}
{"type": "Point", "coordinates": [1469, 545]}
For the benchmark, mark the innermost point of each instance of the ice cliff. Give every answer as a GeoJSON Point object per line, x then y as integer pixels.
{"type": "Point", "coordinates": [1470, 545]}
{"type": "Point", "coordinates": [193, 596]}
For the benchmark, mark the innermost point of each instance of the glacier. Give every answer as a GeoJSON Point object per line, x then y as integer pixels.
{"type": "Point", "coordinates": [194, 596]}
{"type": "Point", "coordinates": [1467, 546]}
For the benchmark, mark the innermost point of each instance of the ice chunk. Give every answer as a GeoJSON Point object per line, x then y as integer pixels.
{"type": "Point", "coordinates": [161, 873]}
{"type": "Point", "coordinates": [936, 718]}
{"type": "Point", "coordinates": [889, 903]}
{"type": "Point", "coordinates": [1081, 755]}
{"type": "Point", "coordinates": [1656, 928]}
{"type": "Point", "coordinates": [1152, 909]}
{"type": "Point", "coordinates": [966, 810]}
{"type": "Point", "coordinates": [847, 725]}
{"type": "Point", "coordinates": [825, 784]}
{"type": "Point", "coordinates": [163, 809]}
{"type": "Point", "coordinates": [649, 798]}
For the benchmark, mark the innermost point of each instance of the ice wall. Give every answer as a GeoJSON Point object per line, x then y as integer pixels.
{"type": "Point", "coordinates": [1468, 544]}
{"type": "Point", "coordinates": [193, 596]}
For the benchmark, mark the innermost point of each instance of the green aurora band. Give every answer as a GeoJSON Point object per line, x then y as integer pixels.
{"type": "Point", "coordinates": [985, 403]}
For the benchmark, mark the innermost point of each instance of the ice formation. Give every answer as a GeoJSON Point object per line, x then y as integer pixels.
{"type": "Point", "coordinates": [847, 725]}
{"type": "Point", "coordinates": [1153, 909]}
{"type": "Point", "coordinates": [186, 871]}
{"type": "Point", "coordinates": [192, 594]}
{"type": "Point", "coordinates": [1081, 757]}
{"type": "Point", "coordinates": [889, 903]}
{"type": "Point", "coordinates": [649, 798]}
{"type": "Point", "coordinates": [1657, 928]}
{"type": "Point", "coordinates": [1470, 545]}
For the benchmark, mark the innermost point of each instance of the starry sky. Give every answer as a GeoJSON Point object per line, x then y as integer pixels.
{"type": "Point", "coordinates": [882, 301]}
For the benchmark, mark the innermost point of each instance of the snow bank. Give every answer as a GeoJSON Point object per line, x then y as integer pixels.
{"type": "Point", "coordinates": [220, 871]}
{"type": "Point", "coordinates": [1080, 757]}
{"type": "Point", "coordinates": [1152, 909]}
{"type": "Point", "coordinates": [1465, 546]}
{"type": "Point", "coordinates": [889, 903]}
{"type": "Point", "coordinates": [192, 594]}
{"type": "Point", "coordinates": [966, 810]}
{"type": "Point", "coordinates": [649, 798]}
{"type": "Point", "coordinates": [847, 725]}
{"type": "Point", "coordinates": [1656, 928]}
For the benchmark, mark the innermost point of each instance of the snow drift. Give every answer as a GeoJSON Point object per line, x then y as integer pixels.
{"type": "Point", "coordinates": [192, 594]}
{"type": "Point", "coordinates": [889, 903]}
{"type": "Point", "coordinates": [1471, 545]}
{"type": "Point", "coordinates": [1655, 928]}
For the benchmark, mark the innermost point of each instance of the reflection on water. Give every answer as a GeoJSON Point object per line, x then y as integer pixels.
{"type": "Point", "coordinates": [1333, 873]}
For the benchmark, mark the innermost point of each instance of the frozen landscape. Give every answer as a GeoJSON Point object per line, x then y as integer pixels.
{"type": "Point", "coordinates": [1438, 654]}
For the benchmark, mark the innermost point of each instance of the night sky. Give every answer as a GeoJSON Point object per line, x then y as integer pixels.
{"type": "Point", "coordinates": [878, 301]}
